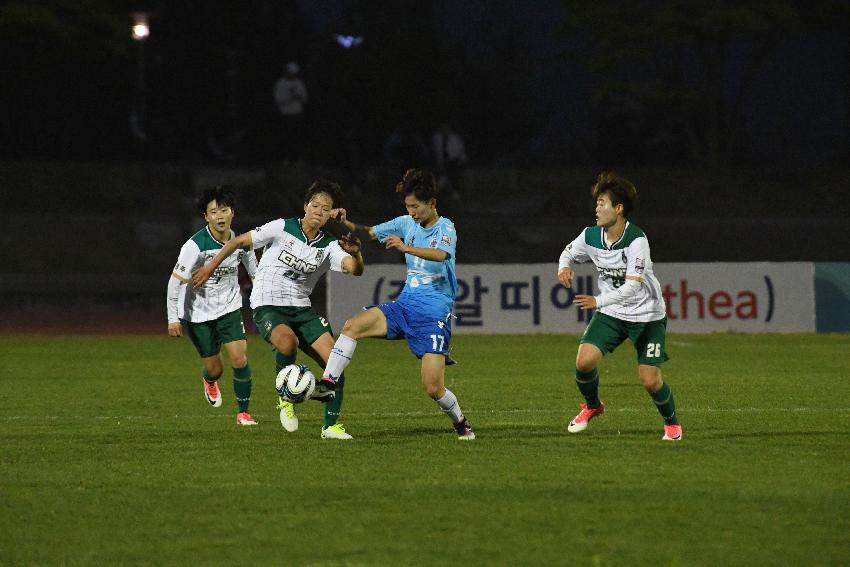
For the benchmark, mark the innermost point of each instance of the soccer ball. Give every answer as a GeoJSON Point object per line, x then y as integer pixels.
{"type": "Point", "coordinates": [295, 383]}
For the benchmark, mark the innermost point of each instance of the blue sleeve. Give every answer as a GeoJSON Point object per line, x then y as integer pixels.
{"type": "Point", "coordinates": [447, 239]}
{"type": "Point", "coordinates": [396, 227]}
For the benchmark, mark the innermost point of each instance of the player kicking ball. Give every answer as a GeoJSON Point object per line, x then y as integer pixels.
{"type": "Point", "coordinates": [630, 304]}
{"type": "Point", "coordinates": [211, 315]}
{"type": "Point", "coordinates": [297, 252]}
{"type": "Point", "coordinates": [422, 313]}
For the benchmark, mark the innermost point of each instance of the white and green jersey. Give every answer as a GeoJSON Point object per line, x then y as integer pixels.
{"type": "Point", "coordinates": [292, 263]}
{"type": "Point", "coordinates": [629, 289]}
{"type": "Point", "coordinates": [220, 294]}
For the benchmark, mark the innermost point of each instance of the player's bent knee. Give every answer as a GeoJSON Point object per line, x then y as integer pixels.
{"type": "Point", "coordinates": [353, 328]}
{"type": "Point", "coordinates": [239, 361]}
{"type": "Point", "coordinates": [650, 378]}
{"type": "Point", "coordinates": [286, 343]}
{"type": "Point", "coordinates": [585, 363]}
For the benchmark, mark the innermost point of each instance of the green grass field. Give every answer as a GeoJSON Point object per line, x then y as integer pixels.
{"type": "Point", "coordinates": [110, 455]}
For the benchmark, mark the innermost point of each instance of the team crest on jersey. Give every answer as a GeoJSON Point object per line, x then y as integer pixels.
{"type": "Point", "coordinates": [639, 265]}
{"type": "Point", "coordinates": [446, 240]}
{"type": "Point", "coordinates": [319, 255]}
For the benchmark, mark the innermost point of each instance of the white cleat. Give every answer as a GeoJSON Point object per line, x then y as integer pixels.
{"type": "Point", "coordinates": [288, 419]}
{"type": "Point", "coordinates": [336, 431]}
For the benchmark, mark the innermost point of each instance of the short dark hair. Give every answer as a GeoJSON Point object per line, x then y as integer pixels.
{"type": "Point", "coordinates": [420, 183]}
{"type": "Point", "coordinates": [620, 190]}
{"type": "Point", "coordinates": [223, 195]}
{"type": "Point", "coordinates": [325, 186]}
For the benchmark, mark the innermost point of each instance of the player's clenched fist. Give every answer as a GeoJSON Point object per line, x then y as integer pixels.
{"type": "Point", "coordinates": [350, 244]}
{"type": "Point", "coordinates": [566, 276]}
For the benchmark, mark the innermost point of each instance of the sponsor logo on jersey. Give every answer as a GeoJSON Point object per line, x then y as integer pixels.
{"type": "Point", "coordinates": [220, 273]}
{"type": "Point", "coordinates": [617, 276]}
{"type": "Point", "coordinates": [433, 243]}
{"type": "Point", "coordinates": [297, 263]}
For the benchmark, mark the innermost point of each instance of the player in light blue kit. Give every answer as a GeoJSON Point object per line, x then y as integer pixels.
{"type": "Point", "coordinates": [422, 313]}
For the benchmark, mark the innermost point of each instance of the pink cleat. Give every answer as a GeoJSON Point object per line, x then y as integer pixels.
{"type": "Point", "coordinates": [244, 418]}
{"type": "Point", "coordinates": [579, 422]}
{"type": "Point", "coordinates": [672, 433]}
{"type": "Point", "coordinates": [212, 393]}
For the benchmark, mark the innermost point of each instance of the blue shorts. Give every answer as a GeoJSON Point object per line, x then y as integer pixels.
{"type": "Point", "coordinates": [426, 331]}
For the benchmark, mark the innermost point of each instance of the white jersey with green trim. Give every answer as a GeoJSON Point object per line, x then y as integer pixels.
{"type": "Point", "coordinates": [292, 263]}
{"type": "Point", "coordinates": [629, 289]}
{"type": "Point", "coordinates": [220, 294]}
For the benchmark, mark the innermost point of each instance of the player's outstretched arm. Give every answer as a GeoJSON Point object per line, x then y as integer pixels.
{"type": "Point", "coordinates": [202, 274]}
{"type": "Point", "coordinates": [360, 231]}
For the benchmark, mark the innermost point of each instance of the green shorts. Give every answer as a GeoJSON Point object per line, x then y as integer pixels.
{"type": "Point", "coordinates": [307, 325]}
{"type": "Point", "coordinates": [210, 335]}
{"type": "Point", "coordinates": [607, 333]}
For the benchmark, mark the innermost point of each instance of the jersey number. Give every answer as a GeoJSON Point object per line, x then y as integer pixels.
{"type": "Point", "coordinates": [653, 350]}
{"type": "Point", "coordinates": [434, 342]}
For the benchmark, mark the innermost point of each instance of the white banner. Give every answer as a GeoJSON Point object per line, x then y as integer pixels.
{"type": "Point", "coordinates": [745, 297]}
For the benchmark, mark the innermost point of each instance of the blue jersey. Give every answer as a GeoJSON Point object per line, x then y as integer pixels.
{"type": "Point", "coordinates": [427, 281]}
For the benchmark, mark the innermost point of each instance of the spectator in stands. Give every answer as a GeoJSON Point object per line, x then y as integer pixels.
{"type": "Point", "coordinates": [290, 95]}
{"type": "Point", "coordinates": [404, 146]}
{"type": "Point", "coordinates": [450, 158]}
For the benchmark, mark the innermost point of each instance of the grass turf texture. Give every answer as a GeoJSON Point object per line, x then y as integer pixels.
{"type": "Point", "coordinates": [110, 454]}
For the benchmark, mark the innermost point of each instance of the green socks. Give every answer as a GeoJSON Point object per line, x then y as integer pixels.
{"type": "Point", "coordinates": [242, 386]}
{"type": "Point", "coordinates": [283, 360]}
{"type": "Point", "coordinates": [207, 376]}
{"type": "Point", "coordinates": [663, 399]}
{"type": "Point", "coordinates": [588, 385]}
{"type": "Point", "coordinates": [333, 407]}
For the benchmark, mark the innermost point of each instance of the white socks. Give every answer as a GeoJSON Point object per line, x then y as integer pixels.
{"type": "Point", "coordinates": [340, 356]}
{"type": "Point", "coordinates": [450, 407]}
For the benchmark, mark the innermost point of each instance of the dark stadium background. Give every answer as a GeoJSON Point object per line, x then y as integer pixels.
{"type": "Point", "coordinates": [732, 119]}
